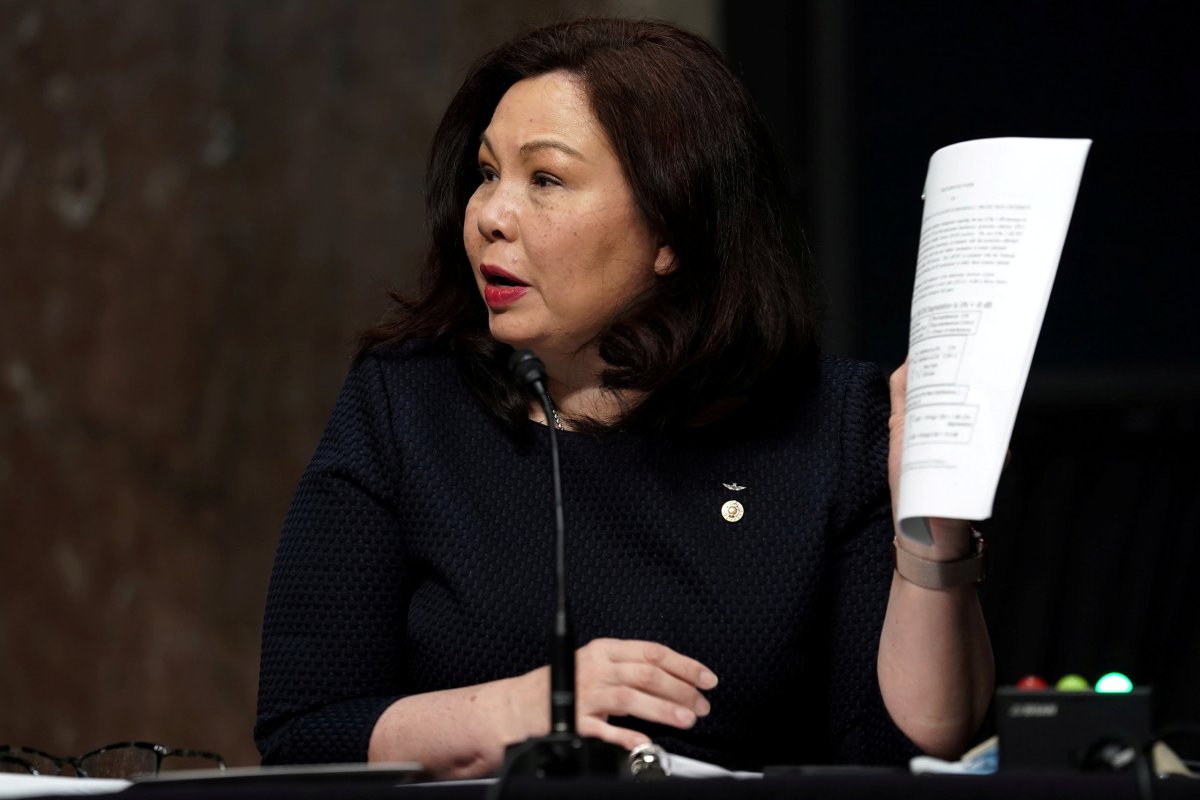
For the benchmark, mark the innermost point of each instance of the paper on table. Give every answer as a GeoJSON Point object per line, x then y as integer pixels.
{"type": "Point", "coordinates": [680, 767]}
{"type": "Point", "coordinates": [14, 785]}
{"type": "Point", "coordinates": [995, 219]}
{"type": "Point", "coordinates": [684, 767]}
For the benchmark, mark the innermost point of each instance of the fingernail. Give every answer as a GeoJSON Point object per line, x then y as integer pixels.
{"type": "Point", "coordinates": [702, 707]}
{"type": "Point", "coordinates": [707, 680]}
{"type": "Point", "coordinates": [685, 716]}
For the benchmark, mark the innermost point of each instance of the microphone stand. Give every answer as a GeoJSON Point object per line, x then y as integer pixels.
{"type": "Point", "coordinates": [563, 753]}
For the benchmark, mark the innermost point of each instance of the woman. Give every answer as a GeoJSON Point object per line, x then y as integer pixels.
{"type": "Point", "coordinates": [604, 192]}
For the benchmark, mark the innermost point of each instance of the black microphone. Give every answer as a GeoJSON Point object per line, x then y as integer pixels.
{"type": "Point", "coordinates": [530, 374]}
{"type": "Point", "coordinates": [564, 753]}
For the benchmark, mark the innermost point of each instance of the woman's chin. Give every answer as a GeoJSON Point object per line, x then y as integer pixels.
{"type": "Point", "coordinates": [514, 338]}
{"type": "Point", "coordinates": [548, 347]}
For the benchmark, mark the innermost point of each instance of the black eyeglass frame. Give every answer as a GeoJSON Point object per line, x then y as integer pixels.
{"type": "Point", "coordinates": [12, 754]}
{"type": "Point", "coordinates": [7, 758]}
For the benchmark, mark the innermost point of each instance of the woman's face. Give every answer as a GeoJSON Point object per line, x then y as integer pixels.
{"type": "Point", "coordinates": [554, 237]}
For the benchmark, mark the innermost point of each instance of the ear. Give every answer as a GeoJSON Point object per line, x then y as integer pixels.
{"type": "Point", "coordinates": [664, 262]}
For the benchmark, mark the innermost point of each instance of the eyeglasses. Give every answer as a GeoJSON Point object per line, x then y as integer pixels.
{"type": "Point", "coordinates": [121, 760]}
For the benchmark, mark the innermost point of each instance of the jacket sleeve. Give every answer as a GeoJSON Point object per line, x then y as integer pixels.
{"type": "Point", "coordinates": [861, 564]}
{"type": "Point", "coordinates": [334, 625]}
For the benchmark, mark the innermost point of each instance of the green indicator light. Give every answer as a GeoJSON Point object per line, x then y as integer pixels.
{"type": "Point", "coordinates": [1114, 683]}
{"type": "Point", "coordinates": [1072, 683]}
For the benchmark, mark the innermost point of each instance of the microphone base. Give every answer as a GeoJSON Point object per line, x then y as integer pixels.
{"type": "Point", "coordinates": [565, 755]}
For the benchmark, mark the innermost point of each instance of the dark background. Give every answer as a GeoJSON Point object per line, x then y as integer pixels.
{"type": "Point", "coordinates": [1096, 532]}
{"type": "Point", "coordinates": [201, 202]}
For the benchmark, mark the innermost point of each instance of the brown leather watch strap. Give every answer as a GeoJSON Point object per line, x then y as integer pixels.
{"type": "Point", "coordinates": [942, 574]}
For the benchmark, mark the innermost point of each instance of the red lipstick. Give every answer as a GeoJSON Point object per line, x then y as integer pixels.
{"type": "Point", "coordinates": [503, 288]}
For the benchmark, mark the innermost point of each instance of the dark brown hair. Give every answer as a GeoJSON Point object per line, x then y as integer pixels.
{"type": "Point", "coordinates": [736, 315]}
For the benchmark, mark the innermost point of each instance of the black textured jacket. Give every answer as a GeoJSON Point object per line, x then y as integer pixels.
{"type": "Point", "coordinates": [418, 553]}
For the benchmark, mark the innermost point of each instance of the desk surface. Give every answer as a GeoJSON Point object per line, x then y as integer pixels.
{"type": "Point", "coordinates": [1009, 785]}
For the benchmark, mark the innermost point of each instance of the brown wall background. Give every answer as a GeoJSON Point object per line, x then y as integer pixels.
{"type": "Point", "coordinates": [200, 204]}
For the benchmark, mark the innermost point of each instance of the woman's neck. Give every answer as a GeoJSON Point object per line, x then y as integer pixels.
{"type": "Point", "coordinates": [576, 391]}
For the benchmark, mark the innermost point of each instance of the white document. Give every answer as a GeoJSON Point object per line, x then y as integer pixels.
{"type": "Point", "coordinates": [18, 785]}
{"type": "Point", "coordinates": [684, 767]}
{"type": "Point", "coordinates": [995, 219]}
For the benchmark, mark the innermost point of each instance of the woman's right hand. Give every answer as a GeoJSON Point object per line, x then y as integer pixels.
{"type": "Point", "coordinates": [620, 678]}
{"type": "Point", "coordinates": [462, 732]}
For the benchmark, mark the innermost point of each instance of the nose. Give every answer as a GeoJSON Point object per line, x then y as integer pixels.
{"type": "Point", "coordinates": [496, 216]}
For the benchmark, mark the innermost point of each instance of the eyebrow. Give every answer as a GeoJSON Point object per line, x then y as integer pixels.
{"type": "Point", "coordinates": [537, 145]}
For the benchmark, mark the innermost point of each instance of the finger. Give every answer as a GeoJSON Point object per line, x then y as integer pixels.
{"type": "Point", "coordinates": [677, 664]}
{"type": "Point", "coordinates": [655, 681]}
{"type": "Point", "coordinates": [626, 701]}
{"type": "Point", "coordinates": [897, 386]}
{"type": "Point", "coordinates": [622, 737]}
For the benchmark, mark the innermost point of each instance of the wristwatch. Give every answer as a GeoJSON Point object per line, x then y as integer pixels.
{"type": "Point", "coordinates": [943, 574]}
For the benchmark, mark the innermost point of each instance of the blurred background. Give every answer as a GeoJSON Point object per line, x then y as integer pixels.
{"type": "Point", "coordinates": [202, 201]}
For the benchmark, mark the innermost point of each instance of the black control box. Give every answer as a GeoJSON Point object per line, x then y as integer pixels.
{"type": "Point", "coordinates": [1050, 728]}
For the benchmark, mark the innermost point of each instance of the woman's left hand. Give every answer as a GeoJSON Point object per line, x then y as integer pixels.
{"type": "Point", "coordinates": [951, 537]}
